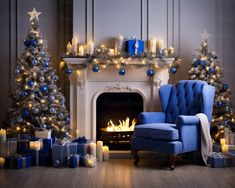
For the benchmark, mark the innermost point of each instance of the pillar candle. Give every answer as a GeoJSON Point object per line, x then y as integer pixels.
{"type": "Point", "coordinates": [118, 44]}
{"type": "Point", "coordinates": [91, 48]}
{"type": "Point", "coordinates": [32, 145]}
{"type": "Point", "coordinates": [153, 45]}
{"type": "Point", "coordinates": [93, 149]}
{"type": "Point", "coordinates": [2, 162]}
{"type": "Point", "coordinates": [75, 45]}
{"type": "Point", "coordinates": [69, 48]}
{"type": "Point", "coordinates": [222, 141]}
{"type": "Point", "coordinates": [81, 50]}
{"type": "Point", "coordinates": [37, 145]}
{"type": "Point", "coordinates": [99, 153]}
{"type": "Point", "coordinates": [160, 44]}
{"type": "Point", "coordinates": [106, 153]}
{"type": "Point", "coordinates": [225, 149]}
{"type": "Point", "coordinates": [111, 52]}
{"type": "Point", "coordinates": [2, 135]}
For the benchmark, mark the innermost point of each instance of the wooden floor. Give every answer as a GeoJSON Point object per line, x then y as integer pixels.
{"type": "Point", "coordinates": [120, 173]}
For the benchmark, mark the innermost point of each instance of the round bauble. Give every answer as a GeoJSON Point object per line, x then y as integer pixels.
{"type": "Point", "coordinates": [44, 89]}
{"type": "Point", "coordinates": [219, 104]}
{"type": "Point", "coordinates": [51, 98]}
{"type": "Point", "coordinates": [61, 116]}
{"type": "Point", "coordinates": [53, 77]}
{"type": "Point", "coordinates": [24, 93]}
{"type": "Point", "coordinates": [32, 96]}
{"type": "Point", "coordinates": [27, 42]}
{"type": "Point", "coordinates": [173, 70]}
{"type": "Point", "coordinates": [41, 79]}
{"type": "Point", "coordinates": [52, 110]}
{"type": "Point", "coordinates": [17, 71]}
{"type": "Point", "coordinates": [150, 72]}
{"type": "Point", "coordinates": [34, 62]}
{"type": "Point", "coordinates": [203, 63]}
{"type": "Point", "coordinates": [45, 63]}
{"type": "Point", "coordinates": [67, 120]}
{"type": "Point", "coordinates": [122, 72]}
{"type": "Point", "coordinates": [212, 70]}
{"type": "Point", "coordinates": [25, 113]}
{"type": "Point", "coordinates": [30, 83]}
{"type": "Point", "coordinates": [225, 87]}
{"type": "Point", "coordinates": [33, 42]}
{"type": "Point", "coordinates": [96, 68]}
{"type": "Point", "coordinates": [19, 119]}
{"type": "Point", "coordinates": [35, 110]}
{"type": "Point", "coordinates": [202, 76]}
{"type": "Point", "coordinates": [68, 71]}
{"type": "Point", "coordinates": [196, 63]}
{"type": "Point", "coordinates": [34, 51]}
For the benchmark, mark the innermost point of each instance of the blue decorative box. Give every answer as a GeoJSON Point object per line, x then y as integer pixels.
{"type": "Point", "coordinates": [23, 137]}
{"type": "Point", "coordinates": [216, 160]}
{"type": "Point", "coordinates": [22, 146]}
{"type": "Point", "coordinates": [34, 154]}
{"type": "Point", "coordinates": [135, 47]}
{"type": "Point", "coordinates": [39, 157]}
{"type": "Point", "coordinates": [22, 162]}
{"type": "Point", "coordinates": [8, 148]}
{"type": "Point", "coordinates": [83, 146]}
{"type": "Point", "coordinates": [216, 147]}
{"type": "Point", "coordinates": [47, 144]}
{"type": "Point", "coordinates": [73, 161]}
{"type": "Point", "coordinates": [60, 153]}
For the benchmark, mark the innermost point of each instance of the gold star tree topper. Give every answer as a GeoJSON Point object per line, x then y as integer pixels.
{"type": "Point", "coordinates": [34, 15]}
{"type": "Point", "coordinates": [205, 36]}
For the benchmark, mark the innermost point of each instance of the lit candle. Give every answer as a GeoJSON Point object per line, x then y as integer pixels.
{"type": "Point", "coordinates": [37, 145]}
{"type": "Point", "coordinates": [2, 162]}
{"type": "Point", "coordinates": [99, 153]}
{"type": "Point", "coordinates": [118, 44]}
{"type": "Point", "coordinates": [106, 153]}
{"type": "Point", "coordinates": [93, 149]}
{"type": "Point", "coordinates": [75, 45]}
{"type": "Point", "coordinates": [32, 145]}
{"type": "Point", "coordinates": [69, 48]}
{"type": "Point", "coordinates": [153, 45]}
{"type": "Point", "coordinates": [91, 48]}
{"type": "Point", "coordinates": [160, 44]}
{"type": "Point", "coordinates": [222, 141]}
{"type": "Point", "coordinates": [2, 135]}
{"type": "Point", "coordinates": [81, 50]}
{"type": "Point", "coordinates": [225, 149]}
{"type": "Point", "coordinates": [170, 50]}
{"type": "Point", "coordinates": [111, 52]}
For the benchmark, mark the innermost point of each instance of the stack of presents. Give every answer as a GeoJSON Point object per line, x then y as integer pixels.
{"type": "Point", "coordinates": [223, 154]}
{"type": "Point", "coordinates": [42, 150]}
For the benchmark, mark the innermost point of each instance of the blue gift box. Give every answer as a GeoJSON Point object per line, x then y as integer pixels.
{"type": "Point", "coordinates": [22, 146]}
{"type": "Point", "coordinates": [39, 157]}
{"type": "Point", "coordinates": [135, 47]}
{"type": "Point", "coordinates": [83, 147]}
{"type": "Point", "coordinates": [216, 160]}
{"type": "Point", "coordinates": [73, 161]}
{"type": "Point", "coordinates": [22, 162]}
{"type": "Point", "coordinates": [23, 137]}
{"type": "Point", "coordinates": [216, 147]}
{"type": "Point", "coordinates": [60, 153]}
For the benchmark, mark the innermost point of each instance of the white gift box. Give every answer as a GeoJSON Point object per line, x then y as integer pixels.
{"type": "Point", "coordinates": [43, 134]}
{"type": "Point", "coordinates": [8, 148]}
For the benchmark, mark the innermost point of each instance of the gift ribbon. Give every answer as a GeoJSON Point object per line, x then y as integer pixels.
{"type": "Point", "coordinates": [136, 46]}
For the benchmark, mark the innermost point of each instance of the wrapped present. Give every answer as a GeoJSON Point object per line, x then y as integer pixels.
{"type": "Point", "coordinates": [43, 134]}
{"type": "Point", "coordinates": [83, 146]}
{"type": "Point", "coordinates": [216, 160]}
{"type": "Point", "coordinates": [34, 154]}
{"type": "Point", "coordinates": [9, 162]}
{"type": "Point", "coordinates": [47, 144]}
{"type": "Point", "coordinates": [22, 146]}
{"type": "Point", "coordinates": [216, 147]}
{"type": "Point", "coordinates": [135, 46]}
{"type": "Point", "coordinates": [23, 137]}
{"type": "Point", "coordinates": [229, 159]}
{"type": "Point", "coordinates": [22, 162]}
{"type": "Point", "coordinates": [39, 157]}
{"type": "Point", "coordinates": [8, 148]}
{"type": "Point", "coordinates": [90, 161]}
{"type": "Point", "coordinates": [60, 153]}
{"type": "Point", "coordinates": [73, 161]}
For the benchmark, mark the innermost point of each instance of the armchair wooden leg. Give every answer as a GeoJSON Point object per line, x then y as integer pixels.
{"type": "Point", "coordinates": [135, 156]}
{"type": "Point", "coordinates": [172, 161]}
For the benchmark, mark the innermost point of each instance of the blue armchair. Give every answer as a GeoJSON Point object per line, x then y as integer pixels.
{"type": "Point", "coordinates": [175, 130]}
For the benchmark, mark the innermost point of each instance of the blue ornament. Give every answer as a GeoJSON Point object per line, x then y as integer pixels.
{"type": "Point", "coordinates": [203, 63]}
{"type": "Point", "coordinates": [173, 70]}
{"type": "Point", "coordinates": [45, 63]}
{"type": "Point", "coordinates": [226, 122]}
{"type": "Point", "coordinates": [196, 63]}
{"type": "Point", "coordinates": [67, 120]}
{"type": "Point", "coordinates": [225, 87]}
{"type": "Point", "coordinates": [24, 93]}
{"type": "Point", "coordinates": [61, 116]}
{"type": "Point", "coordinates": [54, 77]}
{"type": "Point", "coordinates": [33, 42]}
{"type": "Point", "coordinates": [68, 71]}
{"type": "Point", "coordinates": [212, 70]}
{"type": "Point", "coordinates": [26, 43]}
{"type": "Point", "coordinates": [122, 72]}
{"type": "Point", "coordinates": [44, 89]}
{"type": "Point", "coordinates": [43, 53]}
{"type": "Point", "coordinates": [52, 110]}
{"type": "Point", "coordinates": [34, 61]}
{"type": "Point", "coordinates": [219, 104]}
{"type": "Point", "coordinates": [17, 71]}
{"type": "Point", "coordinates": [25, 113]}
{"type": "Point", "coordinates": [51, 98]}
{"type": "Point", "coordinates": [150, 72]}
{"type": "Point", "coordinates": [96, 68]}
{"type": "Point", "coordinates": [30, 83]}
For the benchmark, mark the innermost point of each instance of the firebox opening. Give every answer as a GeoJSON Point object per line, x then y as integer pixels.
{"type": "Point", "coordinates": [116, 116]}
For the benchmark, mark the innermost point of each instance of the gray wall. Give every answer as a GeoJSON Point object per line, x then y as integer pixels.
{"type": "Point", "coordinates": [56, 27]}
{"type": "Point", "coordinates": [178, 22]}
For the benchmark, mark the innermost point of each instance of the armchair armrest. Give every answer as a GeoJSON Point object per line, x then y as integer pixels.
{"type": "Point", "coordinates": [188, 120]}
{"type": "Point", "coordinates": [151, 117]}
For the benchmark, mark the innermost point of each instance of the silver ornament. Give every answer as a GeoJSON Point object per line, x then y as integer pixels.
{"type": "Point", "coordinates": [41, 79]}
{"type": "Point", "coordinates": [61, 116]}
{"type": "Point", "coordinates": [32, 96]}
{"type": "Point", "coordinates": [52, 110]}
{"type": "Point", "coordinates": [51, 98]}
{"type": "Point", "coordinates": [35, 110]}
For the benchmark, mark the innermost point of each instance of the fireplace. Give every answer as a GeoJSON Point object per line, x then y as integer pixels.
{"type": "Point", "coordinates": [87, 89]}
{"type": "Point", "coordinates": [116, 116]}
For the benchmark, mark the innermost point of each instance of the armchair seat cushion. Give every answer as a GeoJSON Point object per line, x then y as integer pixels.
{"type": "Point", "coordinates": [157, 131]}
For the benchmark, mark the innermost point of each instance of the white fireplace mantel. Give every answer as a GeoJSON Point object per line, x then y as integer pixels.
{"type": "Point", "coordinates": [86, 86]}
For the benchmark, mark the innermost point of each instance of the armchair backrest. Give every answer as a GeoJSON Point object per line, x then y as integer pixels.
{"type": "Point", "coordinates": [187, 97]}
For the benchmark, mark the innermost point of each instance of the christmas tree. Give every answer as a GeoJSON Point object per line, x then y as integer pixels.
{"type": "Point", "coordinates": [37, 103]}
{"type": "Point", "coordinates": [205, 66]}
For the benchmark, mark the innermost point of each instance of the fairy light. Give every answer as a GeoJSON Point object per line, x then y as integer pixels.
{"type": "Point", "coordinates": [17, 128]}
{"type": "Point", "coordinates": [62, 64]}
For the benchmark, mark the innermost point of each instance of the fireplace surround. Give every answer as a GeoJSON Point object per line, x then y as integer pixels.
{"type": "Point", "coordinates": [87, 86]}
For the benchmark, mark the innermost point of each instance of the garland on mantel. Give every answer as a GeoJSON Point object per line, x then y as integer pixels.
{"type": "Point", "coordinates": [101, 60]}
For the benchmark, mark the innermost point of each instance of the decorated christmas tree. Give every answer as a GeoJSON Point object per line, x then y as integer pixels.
{"type": "Point", "coordinates": [205, 66]}
{"type": "Point", "coordinates": [37, 103]}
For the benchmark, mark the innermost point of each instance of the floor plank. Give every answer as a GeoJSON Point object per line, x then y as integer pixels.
{"type": "Point", "coordinates": [120, 173]}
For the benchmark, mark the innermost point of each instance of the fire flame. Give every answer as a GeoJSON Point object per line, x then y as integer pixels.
{"type": "Point", "coordinates": [123, 126]}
